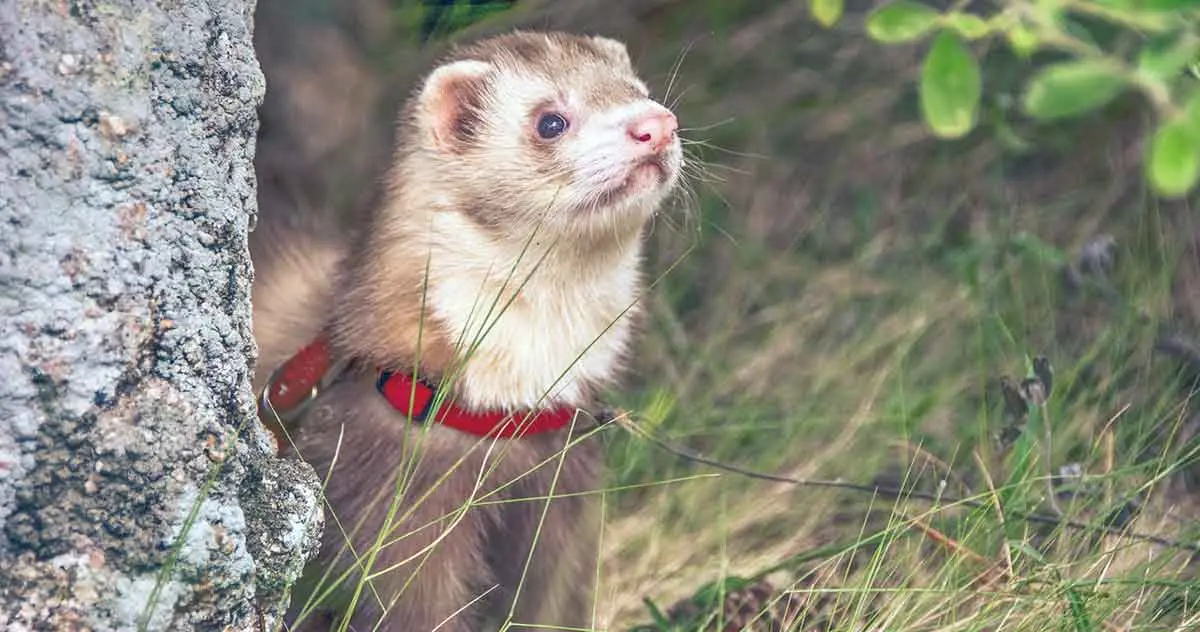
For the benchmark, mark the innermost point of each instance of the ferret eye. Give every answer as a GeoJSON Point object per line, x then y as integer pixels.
{"type": "Point", "coordinates": [551, 126]}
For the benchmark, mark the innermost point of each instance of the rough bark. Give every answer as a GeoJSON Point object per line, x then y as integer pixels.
{"type": "Point", "coordinates": [136, 488]}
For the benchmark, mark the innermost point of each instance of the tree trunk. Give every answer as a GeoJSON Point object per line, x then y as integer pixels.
{"type": "Point", "coordinates": [137, 490]}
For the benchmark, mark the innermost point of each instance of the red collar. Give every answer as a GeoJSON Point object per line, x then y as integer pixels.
{"type": "Point", "coordinates": [297, 381]}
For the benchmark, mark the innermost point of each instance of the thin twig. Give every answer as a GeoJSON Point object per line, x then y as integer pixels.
{"type": "Point", "coordinates": [623, 419]}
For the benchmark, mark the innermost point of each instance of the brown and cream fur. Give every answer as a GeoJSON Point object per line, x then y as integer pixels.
{"type": "Point", "coordinates": [506, 267]}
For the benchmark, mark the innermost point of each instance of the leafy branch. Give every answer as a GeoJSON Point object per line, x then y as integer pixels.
{"type": "Point", "coordinates": [1163, 66]}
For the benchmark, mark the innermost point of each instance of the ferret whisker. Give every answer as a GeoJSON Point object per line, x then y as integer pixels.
{"type": "Point", "coordinates": [709, 127]}
{"type": "Point", "coordinates": [687, 190]}
{"type": "Point", "coordinates": [675, 67]}
{"type": "Point", "coordinates": [698, 165]}
{"type": "Point", "coordinates": [695, 161]}
{"type": "Point", "coordinates": [702, 173]}
{"type": "Point", "coordinates": [689, 204]}
{"type": "Point", "coordinates": [674, 103]}
{"type": "Point", "coordinates": [709, 145]}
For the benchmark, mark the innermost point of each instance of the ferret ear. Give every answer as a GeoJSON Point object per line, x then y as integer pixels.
{"type": "Point", "coordinates": [614, 48]}
{"type": "Point", "coordinates": [452, 102]}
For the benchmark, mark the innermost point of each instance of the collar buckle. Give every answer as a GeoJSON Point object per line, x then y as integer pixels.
{"type": "Point", "coordinates": [309, 367]}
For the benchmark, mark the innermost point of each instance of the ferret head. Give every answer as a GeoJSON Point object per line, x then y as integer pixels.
{"type": "Point", "coordinates": [549, 129]}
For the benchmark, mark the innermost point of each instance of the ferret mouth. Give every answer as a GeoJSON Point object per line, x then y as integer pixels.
{"type": "Point", "coordinates": [646, 173]}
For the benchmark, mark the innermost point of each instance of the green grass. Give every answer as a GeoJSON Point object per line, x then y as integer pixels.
{"type": "Point", "coordinates": [836, 323]}
{"type": "Point", "coordinates": [823, 368]}
{"type": "Point", "coordinates": [851, 293]}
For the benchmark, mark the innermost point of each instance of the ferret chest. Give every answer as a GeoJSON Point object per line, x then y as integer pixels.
{"type": "Point", "coordinates": [551, 344]}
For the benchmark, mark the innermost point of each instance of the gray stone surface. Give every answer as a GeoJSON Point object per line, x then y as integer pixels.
{"type": "Point", "coordinates": [136, 488]}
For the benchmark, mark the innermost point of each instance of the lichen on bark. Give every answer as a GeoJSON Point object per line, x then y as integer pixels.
{"type": "Point", "coordinates": [136, 488]}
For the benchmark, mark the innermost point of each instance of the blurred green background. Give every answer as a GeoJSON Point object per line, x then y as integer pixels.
{"type": "Point", "coordinates": [839, 298]}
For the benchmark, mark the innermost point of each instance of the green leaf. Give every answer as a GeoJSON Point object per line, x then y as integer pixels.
{"type": "Point", "coordinates": [1173, 158]}
{"type": "Point", "coordinates": [1166, 58]}
{"type": "Point", "coordinates": [1070, 88]}
{"type": "Point", "coordinates": [950, 87]}
{"type": "Point", "coordinates": [659, 618]}
{"type": "Point", "coordinates": [968, 25]}
{"type": "Point", "coordinates": [901, 21]}
{"type": "Point", "coordinates": [1022, 39]}
{"type": "Point", "coordinates": [1191, 112]}
{"type": "Point", "coordinates": [827, 12]}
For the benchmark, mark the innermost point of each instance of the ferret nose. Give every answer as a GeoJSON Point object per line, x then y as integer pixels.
{"type": "Point", "coordinates": [656, 129]}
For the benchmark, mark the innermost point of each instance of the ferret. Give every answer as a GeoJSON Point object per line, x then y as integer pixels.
{"type": "Point", "coordinates": [498, 276]}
